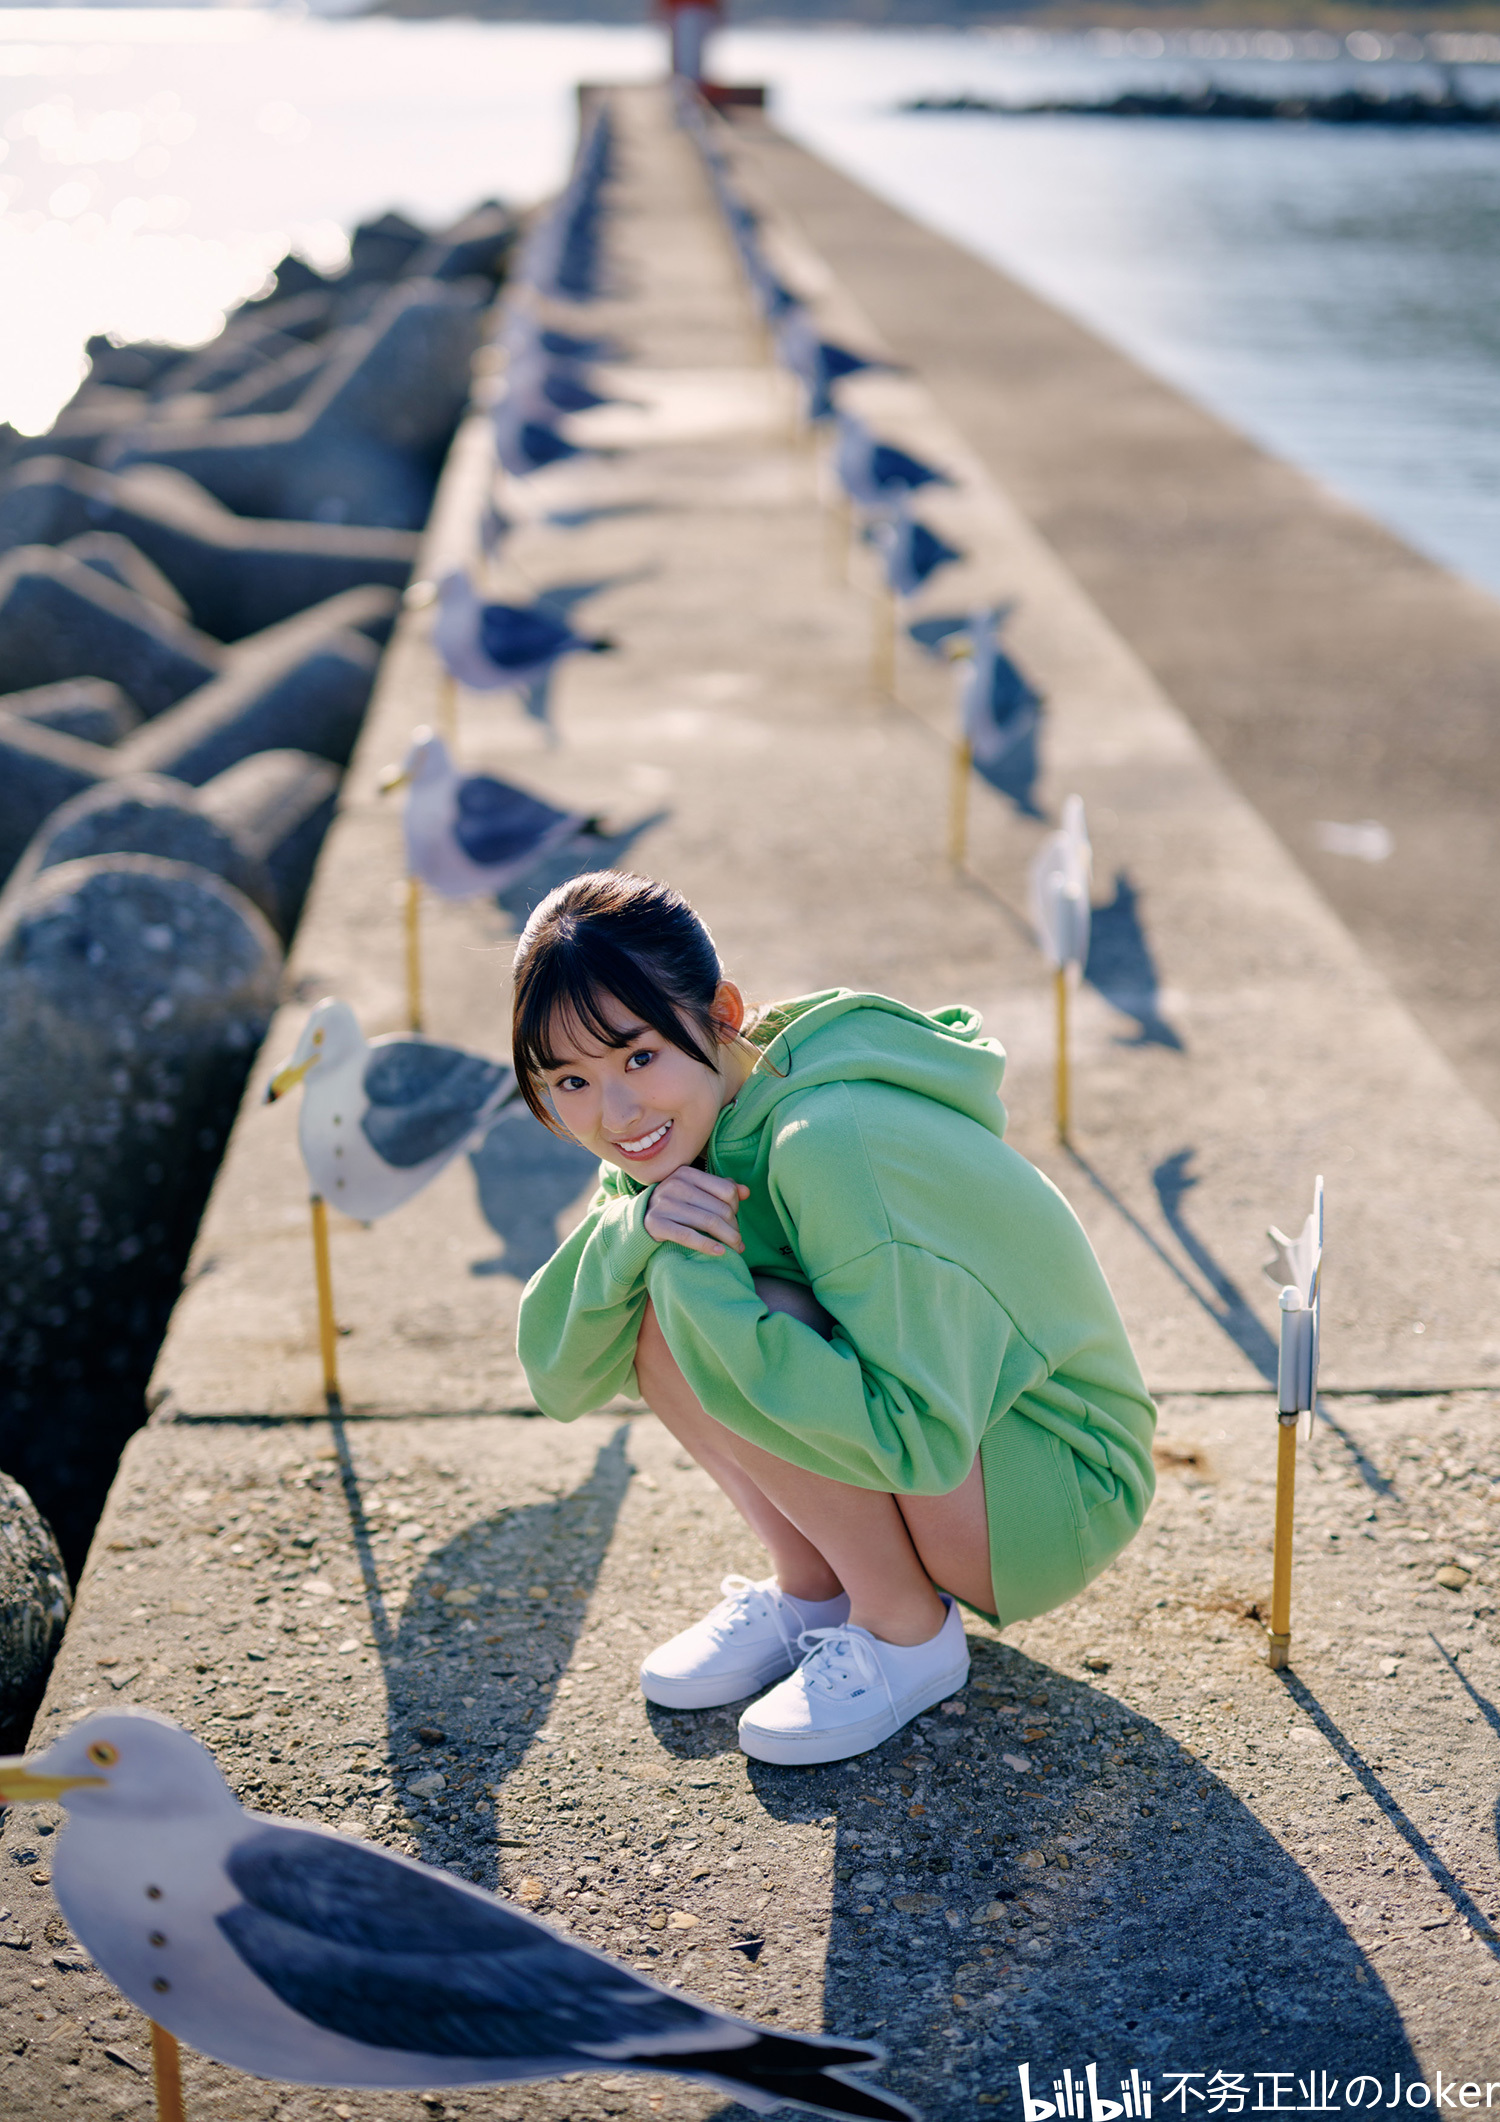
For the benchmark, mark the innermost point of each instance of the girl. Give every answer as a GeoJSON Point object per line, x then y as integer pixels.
{"type": "Point", "coordinates": [878, 1328]}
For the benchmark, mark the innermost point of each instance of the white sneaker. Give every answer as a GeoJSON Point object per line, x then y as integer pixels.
{"type": "Point", "coordinates": [750, 1639]}
{"type": "Point", "coordinates": [852, 1691]}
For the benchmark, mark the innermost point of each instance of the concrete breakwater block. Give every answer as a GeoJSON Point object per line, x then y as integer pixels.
{"type": "Point", "coordinates": [365, 443]}
{"type": "Point", "coordinates": [89, 708]}
{"type": "Point", "coordinates": [39, 769]}
{"type": "Point", "coordinates": [141, 814]}
{"type": "Point", "coordinates": [35, 1600]}
{"type": "Point", "coordinates": [277, 805]}
{"type": "Point", "coordinates": [114, 556]}
{"type": "Point", "coordinates": [258, 827]}
{"type": "Point", "coordinates": [83, 427]}
{"type": "Point", "coordinates": [61, 618]}
{"type": "Point", "coordinates": [133, 995]}
{"type": "Point", "coordinates": [237, 575]}
{"type": "Point", "coordinates": [302, 686]}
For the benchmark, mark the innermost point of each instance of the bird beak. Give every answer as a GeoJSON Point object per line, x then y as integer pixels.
{"type": "Point", "coordinates": [20, 1785]}
{"type": "Point", "coordinates": [287, 1078]}
{"type": "Point", "coordinates": [392, 778]}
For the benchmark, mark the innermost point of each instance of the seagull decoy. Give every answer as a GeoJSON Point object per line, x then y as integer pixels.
{"type": "Point", "coordinates": [291, 1952]}
{"type": "Point", "coordinates": [546, 387]}
{"type": "Point", "coordinates": [380, 1119]}
{"type": "Point", "coordinates": [816, 363]}
{"type": "Point", "coordinates": [911, 552]}
{"type": "Point", "coordinates": [1061, 875]}
{"type": "Point", "coordinates": [998, 712]}
{"type": "Point", "coordinates": [503, 647]}
{"type": "Point", "coordinates": [525, 445]}
{"type": "Point", "coordinates": [875, 475]}
{"type": "Point", "coordinates": [471, 835]}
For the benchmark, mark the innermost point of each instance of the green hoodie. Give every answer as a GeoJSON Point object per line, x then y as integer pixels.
{"type": "Point", "coordinates": [970, 1313]}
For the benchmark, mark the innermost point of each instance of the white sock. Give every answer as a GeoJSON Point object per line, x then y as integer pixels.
{"type": "Point", "coordinates": [819, 1613]}
{"type": "Point", "coordinates": [910, 1657]}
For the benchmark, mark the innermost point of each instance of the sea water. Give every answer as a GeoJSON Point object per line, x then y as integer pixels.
{"type": "Point", "coordinates": [1331, 290]}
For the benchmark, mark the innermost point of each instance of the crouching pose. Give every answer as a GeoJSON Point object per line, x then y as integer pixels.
{"type": "Point", "coordinates": [878, 1328]}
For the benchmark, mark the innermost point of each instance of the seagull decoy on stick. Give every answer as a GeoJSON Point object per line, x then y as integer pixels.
{"type": "Point", "coordinates": [1061, 876]}
{"type": "Point", "coordinates": [380, 1119]}
{"type": "Point", "coordinates": [1297, 1267]}
{"type": "Point", "coordinates": [910, 553]}
{"type": "Point", "coordinates": [997, 713]}
{"type": "Point", "coordinates": [291, 1952]}
{"type": "Point", "coordinates": [467, 836]}
{"type": "Point", "coordinates": [495, 648]}
{"type": "Point", "coordinates": [877, 477]}
{"type": "Point", "coordinates": [817, 363]}
{"type": "Point", "coordinates": [525, 445]}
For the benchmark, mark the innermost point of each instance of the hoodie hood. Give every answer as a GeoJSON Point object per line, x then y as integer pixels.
{"type": "Point", "coordinates": [842, 1036]}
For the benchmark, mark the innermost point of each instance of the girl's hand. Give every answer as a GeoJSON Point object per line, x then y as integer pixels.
{"type": "Point", "coordinates": [698, 1210]}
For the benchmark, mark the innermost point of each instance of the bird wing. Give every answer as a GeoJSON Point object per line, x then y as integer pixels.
{"type": "Point", "coordinates": [518, 636]}
{"type": "Point", "coordinates": [497, 823]}
{"type": "Point", "coordinates": [890, 467]}
{"type": "Point", "coordinates": [384, 1952]}
{"type": "Point", "coordinates": [424, 1098]}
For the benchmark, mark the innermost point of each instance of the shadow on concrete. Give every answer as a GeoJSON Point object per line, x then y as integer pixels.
{"type": "Point", "coordinates": [480, 1672]}
{"type": "Point", "coordinates": [591, 850]}
{"type": "Point", "coordinates": [1442, 1878]}
{"type": "Point", "coordinates": [606, 512]}
{"type": "Point", "coordinates": [1174, 1181]}
{"type": "Point", "coordinates": [1232, 1317]}
{"type": "Point", "coordinates": [526, 1176]}
{"type": "Point", "coordinates": [1122, 968]}
{"type": "Point", "coordinates": [1014, 773]}
{"type": "Point", "coordinates": [1133, 1911]}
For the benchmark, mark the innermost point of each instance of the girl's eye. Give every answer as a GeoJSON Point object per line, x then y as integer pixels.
{"type": "Point", "coordinates": [642, 1056]}
{"type": "Point", "coordinates": [570, 1083]}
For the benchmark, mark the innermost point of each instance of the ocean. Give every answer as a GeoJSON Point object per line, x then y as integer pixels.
{"type": "Point", "coordinates": [1330, 290]}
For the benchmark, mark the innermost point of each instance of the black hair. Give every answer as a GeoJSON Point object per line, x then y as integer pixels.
{"type": "Point", "coordinates": [610, 935]}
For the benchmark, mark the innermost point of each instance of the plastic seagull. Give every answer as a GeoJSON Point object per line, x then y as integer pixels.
{"type": "Point", "coordinates": [816, 363]}
{"type": "Point", "coordinates": [911, 552]}
{"type": "Point", "coordinates": [471, 835]}
{"type": "Point", "coordinates": [997, 707]}
{"type": "Point", "coordinates": [380, 1119]}
{"type": "Point", "coordinates": [503, 647]}
{"type": "Point", "coordinates": [544, 387]}
{"type": "Point", "coordinates": [1061, 876]}
{"type": "Point", "coordinates": [289, 1952]}
{"type": "Point", "coordinates": [877, 477]}
{"type": "Point", "coordinates": [525, 445]}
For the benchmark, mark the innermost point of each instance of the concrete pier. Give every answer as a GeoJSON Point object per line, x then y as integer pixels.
{"type": "Point", "coordinates": [420, 1621]}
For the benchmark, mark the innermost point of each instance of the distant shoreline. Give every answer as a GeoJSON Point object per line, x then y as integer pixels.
{"type": "Point", "coordinates": [1339, 17]}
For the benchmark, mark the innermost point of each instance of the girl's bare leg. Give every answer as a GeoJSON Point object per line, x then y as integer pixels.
{"type": "Point", "coordinates": [820, 1534]}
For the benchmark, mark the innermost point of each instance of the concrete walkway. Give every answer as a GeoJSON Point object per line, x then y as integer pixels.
{"type": "Point", "coordinates": [422, 1621]}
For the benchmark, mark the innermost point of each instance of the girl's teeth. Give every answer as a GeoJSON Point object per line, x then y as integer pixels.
{"type": "Point", "coordinates": [646, 1141]}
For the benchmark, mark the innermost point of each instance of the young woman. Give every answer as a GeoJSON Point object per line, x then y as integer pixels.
{"type": "Point", "coordinates": [879, 1329]}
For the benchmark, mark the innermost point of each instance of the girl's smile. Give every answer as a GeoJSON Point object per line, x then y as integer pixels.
{"type": "Point", "coordinates": [640, 1102]}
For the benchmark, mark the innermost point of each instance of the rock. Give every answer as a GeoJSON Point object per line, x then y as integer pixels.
{"type": "Point", "coordinates": [111, 555]}
{"type": "Point", "coordinates": [39, 768]}
{"type": "Point", "coordinates": [1094, 1663]}
{"type": "Point", "coordinates": [1452, 1578]}
{"type": "Point", "coordinates": [478, 243]}
{"type": "Point", "coordinates": [365, 443]}
{"type": "Point", "coordinates": [299, 686]}
{"type": "Point", "coordinates": [34, 1604]}
{"type": "Point", "coordinates": [917, 1904]}
{"type": "Point", "coordinates": [133, 995]}
{"type": "Point", "coordinates": [276, 806]}
{"type": "Point", "coordinates": [62, 619]}
{"type": "Point", "coordinates": [88, 708]}
{"type": "Point", "coordinates": [238, 576]}
{"type": "Point", "coordinates": [144, 814]}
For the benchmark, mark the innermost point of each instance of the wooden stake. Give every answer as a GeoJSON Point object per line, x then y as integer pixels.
{"type": "Point", "coordinates": [328, 1341]}
{"type": "Point", "coordinates": [958, 813]}
{"type": "Point", "coordinates": [1062, 1087]}
{"type": "Point", "coordinates": [166, 2070]}
{"type": "Point", "coordinates": [840, 536]}
{"type": "Point", "coordinates": [883, 646]}
{"type": "Point", "coordinates": [414, 953]}
{"type": "Point", "coordinates": [1279, 1645]}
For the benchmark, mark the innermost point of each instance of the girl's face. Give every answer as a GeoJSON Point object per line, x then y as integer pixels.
{"type": "Point", "coordinates": [644, 1105]}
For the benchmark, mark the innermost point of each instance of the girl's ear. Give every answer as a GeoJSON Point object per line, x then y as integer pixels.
{"type": "Point", "coordinates": [727, 1010]}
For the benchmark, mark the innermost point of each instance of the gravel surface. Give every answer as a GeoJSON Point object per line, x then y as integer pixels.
{"type": "Point", "coordinates": [1125, 1842]}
